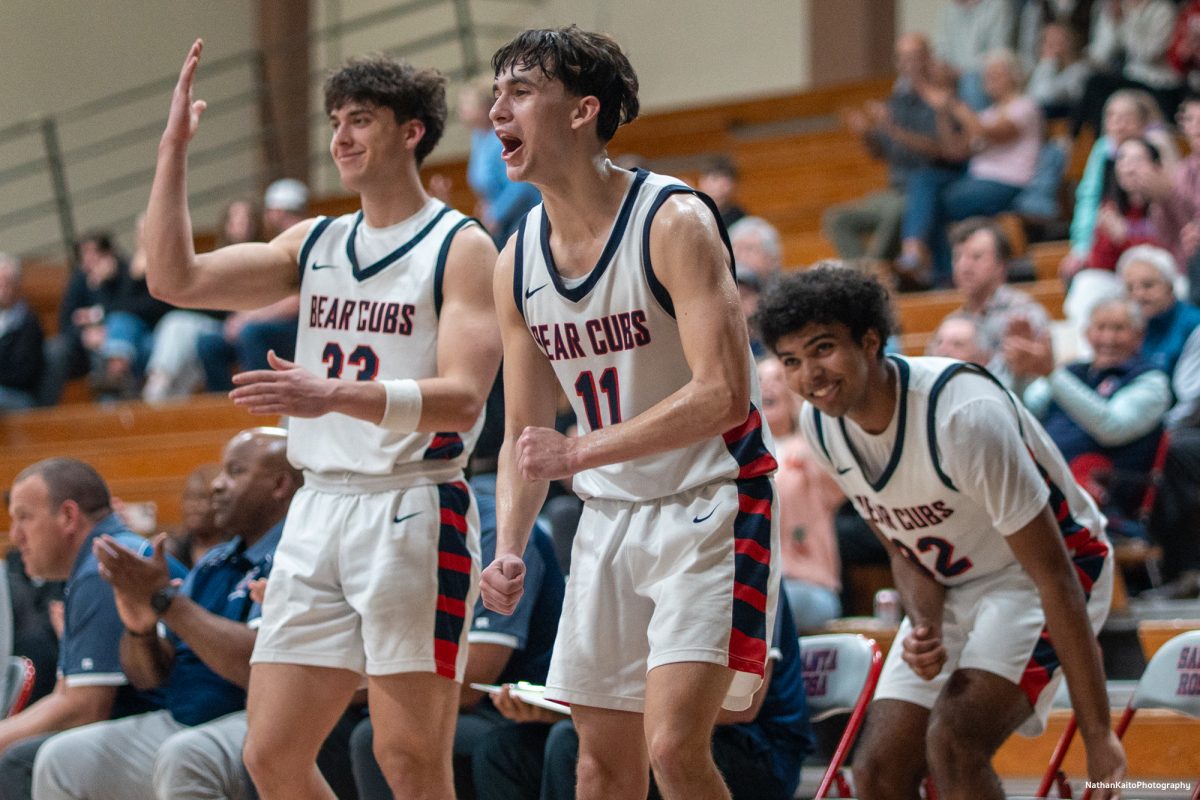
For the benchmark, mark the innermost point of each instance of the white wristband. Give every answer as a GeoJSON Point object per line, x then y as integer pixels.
{"type": "Point", "coordinates": [403, 410]}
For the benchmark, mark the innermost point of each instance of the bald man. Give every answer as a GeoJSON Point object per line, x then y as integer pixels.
{"type": "Point", "coordinates": [199, 654]}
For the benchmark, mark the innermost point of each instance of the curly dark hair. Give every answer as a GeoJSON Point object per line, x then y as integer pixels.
{"type": "Point", "coordinates": [825, 294]}
{"type": "Point", "coordinates": [386, 82]}
{"type": "Point", "coordinates": [588, 64]}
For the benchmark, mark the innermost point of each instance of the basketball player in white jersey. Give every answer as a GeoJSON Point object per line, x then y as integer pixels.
{"type": "Point", "coordinates": [620, 288]}
{"type": "Point", "coordinates": [396, 350]}
{"type": "Point", "coordinates": [999, 556]}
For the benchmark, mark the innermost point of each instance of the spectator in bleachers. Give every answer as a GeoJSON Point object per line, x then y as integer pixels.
{"type": "Point", "coordinates": [1105, 414]}
{"type": "Point", "coordinates": [1005, 140]}
{"type": "Point", "coordinates": [1037, 15]}
{"type": "Point", "coordinates": [808, 501]}
{"type": "Point", "coordinates": [201, 658]}
{"type": "Point", "coordinates": [175, 369]}
{"type": "Point", "coordinates": [967, 30]}
{"type": "Point", "coordinates": [1149, 274]}
{"type": "Point", "coordinates": [105, 323]}
{"type": "Point", "coordinates": [757, 248]}
{"type": "Point", "coordinates": [501, 203]}
{"type": "Point", "coordinates": [759, 751]}
{"type": "Point", "coordinates": [719, 180]}
{"type": "Point", "coordinates": [60, 507]}
{"type": "Point", "coordinates": [1129, 215]}
{"type": "Point", "coordinates": [960, 336]}
{"type": "Point", "coordinates": [1128, 49]}
{"type": "Point", "coordinates": [1128, 114]}
{"type": "Point", "coordinates": [20, 341]}
{"type": "Point", "coordinates": [1059, 72]}
{"type": "Point", "coordinates": [247, 335]}
{"type": "Point", "coordinates": [981, 255]}
{"type": "Point", "coordinates": [904, 134]}
{"type": "Point", "coordinates": [1184, 53]}
{"type": "Point", "coordinates": [199, 532]}
{"type": "Point", "coordinates": [1180, 196]}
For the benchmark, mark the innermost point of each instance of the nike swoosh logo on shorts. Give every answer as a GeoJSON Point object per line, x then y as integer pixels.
{"type": "Point", "coordinates": [323, 266]}
{"type": "Point", "coordinates": [406, 516]}
{"type": "Point", "coordinates": [844, 470]}
{"type": "Point", "coordinates": [531, 292]}
{"type": "Point", "coordinates": [706, 516]}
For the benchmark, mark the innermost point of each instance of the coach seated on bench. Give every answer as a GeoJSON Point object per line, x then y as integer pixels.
{"type": "Point", "coordinates": [59, 507]}
{"type": "Point", "coordinates": [199, 656]}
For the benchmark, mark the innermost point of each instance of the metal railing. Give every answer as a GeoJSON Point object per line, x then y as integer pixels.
{"type": "Point", "coordinates": [54, 167]}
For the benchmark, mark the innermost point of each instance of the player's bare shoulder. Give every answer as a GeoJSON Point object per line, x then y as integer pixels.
{"type": "Point", "coordinates": [472, 256]}
{"type": "Point", "coordinates": [686, 235]}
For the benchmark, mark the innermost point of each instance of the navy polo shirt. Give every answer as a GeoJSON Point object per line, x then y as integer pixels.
{"type": "Point", "coordinates": [89, 654]}
{"type": "Point", "coordinates": [220, 584]}
{"type": "Point", "coordinates": [531, 628]}
{"type": "Point", "coordinates": [782, 731]}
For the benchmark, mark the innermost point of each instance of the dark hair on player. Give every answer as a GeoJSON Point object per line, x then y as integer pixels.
{"type": "Point", "coordinates": [386, 82]}
{"type": "Point", "coordinates": [587, 64]}
{"type": "Point", "coordinates": [826, 294]}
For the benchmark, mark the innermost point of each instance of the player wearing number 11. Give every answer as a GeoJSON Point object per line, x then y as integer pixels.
{"type": "Point", "coordinates": [376, 572]}
{"type": "Point", "coordinates": [620, 287]}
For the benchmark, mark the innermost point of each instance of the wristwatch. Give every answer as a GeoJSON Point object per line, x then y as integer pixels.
{"type": "Point", "coordinates": [161, 600]}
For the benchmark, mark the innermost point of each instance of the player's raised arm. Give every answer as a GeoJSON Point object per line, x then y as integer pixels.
{"type": "Point", "coordinates": [530, 392]}
{"type": "Point", "coordinates": [243, 276]}
{"type": "Point", "coordinates": [692, 263]}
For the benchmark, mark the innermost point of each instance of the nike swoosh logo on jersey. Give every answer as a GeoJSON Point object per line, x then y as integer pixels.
{"type": "Point", "coordinates": [531, 292]}
{"type": "Point", "coordinates": [406, 516]}
{"type": "Point", "coordinates": [706, 516]}
{"type": "Point", "coordinates": [323, 266]}
{"type": "Point", "coordinates": [844, 470]}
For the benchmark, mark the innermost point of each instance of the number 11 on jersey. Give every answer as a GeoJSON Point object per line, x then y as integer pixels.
{"type": "Point", "coordinates": [585, 387]}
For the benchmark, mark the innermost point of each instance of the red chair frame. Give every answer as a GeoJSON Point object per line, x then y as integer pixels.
{"type": "Point", "coordinates": [870, 679]}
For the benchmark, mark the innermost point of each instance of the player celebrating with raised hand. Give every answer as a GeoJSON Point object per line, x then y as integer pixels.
{"type": "Point", "coordinates": [396, 350]}
{"type": "Point", "coordinates": [620, 287]}
{"type": "Point", "coordinates": [1000, 557]}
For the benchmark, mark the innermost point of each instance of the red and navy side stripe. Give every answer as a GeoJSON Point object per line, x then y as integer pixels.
{"type": "Point", "coordinates": [745, 443]}
{"type": "Point", "coordinates": [1088, 555]}
{"type": "Point", "coordinates": [444, 447]}
{"type": "Point", "coordinates": [751, 575]}
{"type": "Point", "coordinates": [454, 576]}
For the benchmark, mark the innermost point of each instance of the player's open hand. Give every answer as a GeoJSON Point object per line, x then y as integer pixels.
{"type": "Point", "coordinates": [286, 388]}
{"type": "Point", "coordinates": [544, 454]}
{"type": "Point", "coordinates": [1106, 764]}
{"type": "Point", "coordinates": [502, 583]}
{"type": "Point", "coordinates": [924, 652]}
{"type": "Point", "coordinates": [184, 117]}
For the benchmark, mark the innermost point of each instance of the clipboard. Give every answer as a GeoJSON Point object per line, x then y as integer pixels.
{"type": "Point", "coordinates": [527, 693]}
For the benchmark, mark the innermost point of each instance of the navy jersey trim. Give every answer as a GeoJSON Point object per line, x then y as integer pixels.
{"type": "Point", "coordinates": [439, 270]}
{"type": "Point", "coordinates": [819, 427]}
{"type": "Point", "coordinates": [519, 267]}
{"type": "Point", "coordinates": [656, 288]}
{"type": "Point", "coordinates": [931, 413]}
{"type": "Point", "coordinates": [310, 241]}
{"type": "Point", "coordinates": [610, 247]}
{"type": "Point", "coordinates": [901, 424]}
{"type": "Point", "coordinates": [392, 257]}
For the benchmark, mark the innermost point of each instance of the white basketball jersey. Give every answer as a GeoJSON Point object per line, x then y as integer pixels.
{"type": "Point", "coordinates": [915, 503]}
{"type": "Point", "coordinates": [614, 345]}
{"type": "Point", "coordinates": [369, 305]}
